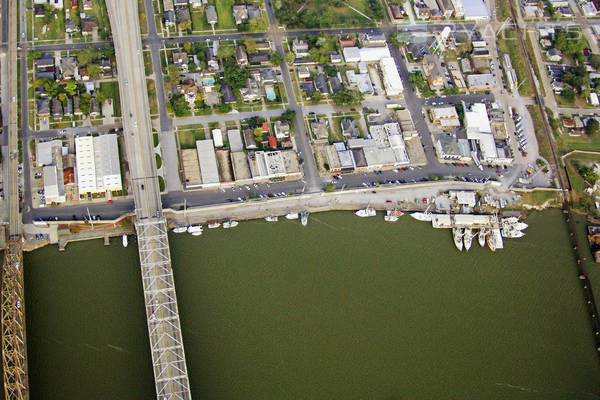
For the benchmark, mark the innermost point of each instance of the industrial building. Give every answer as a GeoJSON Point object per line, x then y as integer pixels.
{"type": "Point", "coordinates": [391, 78]}
{"type": "Point", "coordinates": [97, 163]}
{"type": "Point", "coordinates": [209, 171]}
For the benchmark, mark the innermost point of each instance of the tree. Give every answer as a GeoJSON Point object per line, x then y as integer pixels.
{"type": "Point", "coordinates": [179, 104]}
{"type": "Point", "coordinates": [36, 83]}
{"type": "Point", "coordinates": [185, 25]}
{"type": "Point", "coordinates": [101, 96]}
{"type": "Point", "coordinates": [84, 103]}
{"type": "Point", "coordinates": [33, 54]}
{"type": "Point", "coordinates": [568, 94]}
{"type": "Point", "coordinates": [250, 44]}
{"type": "Point", "coordinates": [192, 66]}
{"type": "Point", "coordinates": [71, 88]}
{"type": "Point", "coordinates": [258, 135]}
{"type": "Point", "coordinates": [290, 57]}
{"type": "Point", "coordinates": [592, 127]}
{"type": "Point", "coordinates": [94, 70]}
{"type": "Point", "coordinates": [87, 55]}
{"type": "Point", "coordinates": [316, 97]}
{"type": "Point", "coordinates": [62, 97]}
{"type": "Point", "coordinates": [235, 75]}
{"type": "Point", "coordinates": [226, 52]}
{"type": "Point", "coordinates": [187, 46]}
{"type": "Point", "coordinates": [275, 58]}
{"type": "Point", "coordinates": [52, 88]}
{"type": "Point", "coordinates": [595, 60]}
{"type": "Point", "coordinates": [347, 97]}
{"type": "Point", "coordinates": [108, 51]}
{"type": "Point", "coordinates": [174, 74]}
{"type": "Point", "coordinates": [330, 70]}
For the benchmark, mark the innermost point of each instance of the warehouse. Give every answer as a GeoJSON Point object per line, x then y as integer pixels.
{"type": "Point", "coordinates": [391, 78]}
{"type": "Point", "coordinates": [207, 159]}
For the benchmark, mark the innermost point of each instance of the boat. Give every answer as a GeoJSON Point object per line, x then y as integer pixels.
{"type": "Point", "coordinates": [392, 215]}
{"type": "Point", "coordinates": [420, 216]}
{"type": "Point", "coordinates": [457, 233]}
{"type": "Point", "coordinates": [304, 218]}
{"type": "Point", "coordinates": [230, 224]}
{"type": "Point", "coordinates": [271, 218]}
{"type": "Point", "coordinates": [124, 240]}
{"type": "Point", "coordinates": [483, 232]}
{"type": "Point", "coordinates": [214, 225]}
{"type": "Point", "coordinates": [194, 228]}
{"type": "Point", "coordinates": [468, 238]}
{"type": "Point", "coordinates": [494, 240]}
{"type": "Point", "coordinates": [292, 216]}
{"type": "Point", "coordinates": [180, 229]}
{"type": "Point", "coordinates": [520, 226]}
{"type": "Point", "coordinates": [511, 233]}
{"type": "Point", "coordinates": [510, 220]}
{"type": "Point", "coordinates": [366, 212]}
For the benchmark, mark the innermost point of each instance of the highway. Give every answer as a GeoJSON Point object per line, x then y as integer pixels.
{"type": "Point", "coordinates": [164, 328]}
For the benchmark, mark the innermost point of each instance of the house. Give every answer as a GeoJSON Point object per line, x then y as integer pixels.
{"type": "Point", "coordinates": [189, 89]}
{"type": "Point", "coordinates": [349, 128]}
{"type": "Point", "coordinates": [76, 105]}
{"type": "Point", "coordinates": [481, 81]}
{"type": "Point", "coordinates": [397, 12]}
{"type": "Point", "coordinates": [74, 4]}
{"type": "Point", "coordinates": [300, 48]}
{"type": "Point", "coordinates": [321, 84]}
{"type": "Point", "coordinates": [211, 14]}
{"type": "Point", "coordinates": [267, 75]}
{"type": "Point", "coordinates": [45, 61]}
{"type": "Point", "coordinates": [446, 7]}
{"type": "Point", "coordinates": [281, 129]}
{"type": "Point", "coordinates": [88, 25]}
{"type": "Point", "coordinates": [303, 72]}
{"type": "Point", "coordinates": [594, 99]}
{"type": "Point", "coordinates": [265, 127]}
{"type": "Point", "coordinates": [253, 12]}
{"type": "Point", "coordinates": [57, 108]}
{"type": "Point", "coordinates": [447, 117]}
{"type": "Point", "coordinates": [211, 59]}
{"type": "Point", "coordinates": [259, 58]}
{"type": "Point", "coordinates": [87, 5]}
{"type": "Point", "coordinates": [43, 107]}
{"type": "Point", "coordinates": [554, 55]}
{"type": "Point", "coordinates": [39, 10]}
{"type": "Point", "coordinates": [347, 41]}
{"type": "Point", "coordinates": [373, 40]}
{"type": "Point", "coordinates": [170, 19]}
{"type": "Point", "coordinates": [94, 108]}
{"type": "Point", "coordinates": [319, 129]}
{"type": "Point", "coordinates": [227, 93]}
{"type": "Point", "coordinates": [241, 55]}
{"type": "Point", "coordinates": [181, 3]}
{"type": "Point", "coordinates": [335, 57]}
{"type": "Point", "coordinates": [182, 14]}
{"type": "Point", "coordinates": [433, 68]}
{"type": "Point", "coordinates": [308, 87]}
{"type": "Point", "coordinates": [335, 84]}
{"type": "Point", "coordinates": [197, 3]}
{"type": "Point", "coordinates": [263, 45]}
{"type": "Point", "coordinates": [250, 92]}
{"type": "Point", "coordinates": [68, 67]}
{"type": "Point", "coordinates": [249, 139]}
{"type": "Point", "coordinates": [58, 4]}
{"type": "Point", "coordinates": [68, 108]}
{"type": "Point", "coordinates": [240, 13]}
{"type": "Point", "coordinates": [71, 26]}
{"type": "Point", "coordinates": [180, 58]}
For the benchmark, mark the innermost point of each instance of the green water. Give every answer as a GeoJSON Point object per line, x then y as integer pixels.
{"type": "Point", "coordinates": [345, 308]}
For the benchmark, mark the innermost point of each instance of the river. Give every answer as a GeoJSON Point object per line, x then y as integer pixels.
{"type": "Point", "coordinates": [345, 308]}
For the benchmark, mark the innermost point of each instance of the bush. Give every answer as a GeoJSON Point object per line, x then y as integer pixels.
{"type": "Point", "coordinates": [158, 161]}
{"type": "Point", "coordinates": [329, 187]}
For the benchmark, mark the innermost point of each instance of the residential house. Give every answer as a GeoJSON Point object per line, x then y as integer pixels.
{"type": "Point", "coordinates": [335, 84]}
{"type": "Point", "coordinates": [554, 55]}
{"type": "Point", "coordinates": [211, 59]}
{"type": "Point", "coordinates": [227, 93]}
{"type": "Point", "coordinates": [267, 75]}
{"type": "Point", "coordinates": [241, 55]}
{"type": "Point", "coordinates": [321, 84]}
{"type": "Point", "coordinates": [197, 3]}
{"type": "Point", "coordinates": [182, 14]}
{"type": "Point", "coordinates": [71, 26]}
{"type": "Point", "coordinates": [253, 12]}
{"type": "Point", "coordinates": [45, 61]}
{"type": "Point", "coordinates": [88, 25]}
{"type": "Point", "coordinates": [180, 58]}
{"type": "Point", "coordinates": [319, 129]}
{"type": "Point", "coordinates": [170, 18]}
{"type": "Point", "coordinates": [211, 14]}
{"type": "Point", "coordinates": [433, 69]}
{"type": "Point", "coordinates": [308, 87]}
{"type": "Point", "coordinates": [349, 128]}
{"type": "Point", "coordinates": [335, 57]}
{"type": "Point", "coordinates": [39, 10]}
{"type": "Point", "coordinates": [240, 13]}
{"type": "Point", "coordinates": [178, 3]}
{"type": "Point", "coordinates": [68, 67]}
{"type": "Point", "coordinates": [87, 5]}
{"type": "Point", "coordinates": [281, 129]}
{"type": "Point", "coordinates": [373, 40]}
{"type": "Point", "coordinates": [57, 108]}
{"type": "Point", "coordinates": [446, 7]}
{"type": "Point", "coordinates": [43, 107]}
{"type": "Point", "coordinates": [189, 89]}
{"type": "Point", "coordinates": [259, 58]}
{"type": "Point", "coordinates": [300, 48]}
{"type": "Point", "coordinates": [251, 92]}
{"type": "Point", "coordinates": [263, 45]}
{"type": "Point", "coordinates": [249, 139]}
{"type": "Point", "coordinates": [76, 105]}
{"type": "Point", "coordinates": [68, 107]}
{"type": "Point", "coordinates": [94, 107]}
{"type": "Point", "coordinates": [347, 41]}
{"type": "Point", "coordinates": [397, 12]}
{"type": "Point", "coordinates": [303, 72]}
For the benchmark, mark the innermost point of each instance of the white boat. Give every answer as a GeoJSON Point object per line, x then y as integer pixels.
{"type": "Point", "coordinates": [304, 218]}
{"type": "Point", "coordinates": [366, 212]}
{"type": "Point", "coordinates": [468, 238]}
{"type": "Point", "coordinates": [180, 229]}
{"type": "Point", "coordinates": [511, 233]}
{"type": "Point", "coordinates": [194, 228]}
{"type": "Point", "coordinates": [125, 241]}
{"type": "Point", "coordinates": [494, 240]}
{"type": "Point", "coordinates": [214, 225]}
{"type": "Point", "coordinates": [230, 224]}
{"type": "Point", "coordinates": [483, 232]}
{"type": "Point", "coordinates": [510, 220]}
{"type": "Point", "coordinates": [520, 226]}
{"type": "Point", "coordinates": [420, 216]}
{"type": "Point", "coordinates": [198, 233]}
{"type": "Point", "coordinates": [392, 215]}
{"type": "Point", "coordinates": [292, 216]}
{"type": "Point", "coordinates": [457, 233]}
{"type": "Point", "coordinates": [271, 218]}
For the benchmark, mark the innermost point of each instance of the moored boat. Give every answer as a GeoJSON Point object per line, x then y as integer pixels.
{"type": "Point", "coordinates": [304, 218]}
{"type": "Point", "coordinates": [494, 240]}
{"type": "Point", "coordinates": [366, 212]}
{"type": "Point", "coordinates": [194, 228]}
{"type": "Point", "coordinates": [457, 233]}
{"type": "Point", "coordinates": [512, 233]}
{"type": "Point", "coordinates": [520, 226]}
{"type": "Point", "coordinates": [125, 241]}
{"type": "Point", "coordinates": [422, 216]}
{"type": "Point", "coordinates": [198, 233]}
{"type": "Point", "coordinates": [468, 238]}
{"type": "Point", "coordinates": [483, 232]}
{"type": "Point", "coordinates": [214, 225]}
{"type": "Point", "coordinates": [392, 215]}
{"type": "Point", "coordinates": [180, 229]}
{"type": "Point", "coordinates": [230, 224]}
{"type": "Point", "coordinates": [292, 216]}
{"type": "Point", "coordinates": [271, 218]}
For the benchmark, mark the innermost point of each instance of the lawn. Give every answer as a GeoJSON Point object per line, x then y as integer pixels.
{"type": "Point", "coordinates": [539, 197]}
{"type": "Point", "coordinates": [567, 143]}
{"type": "Point", "coordinates": [225, 13]}
{"type": "Point", "coordinates": [507, 43]}
{"type": "Point", "coordinates": [142, 16]}
{"type": "Point", "coordinates": [147, 62]}
{"type": "Point", "coordinates": [578, 183]}
{"type": "Point", "coordinates": [99, 11]}
{"type": "Point", "coordinates": [55, 29]}
{"type": "Point", "coordinates": [321, 13]}
{"type": "Point", "coordinates": [152, 96]}
{"type": "Point", "coordinates": [187, 138]}
{"type": "Point", "coordinates": [112, 90]}
{"type": "Point", "coordinates": [543, 144]}
{"type": "Point", "coordinates": [199, 21]}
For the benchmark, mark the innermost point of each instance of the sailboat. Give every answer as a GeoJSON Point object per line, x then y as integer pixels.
{"type": "Point", "coordinates": [423, 216]}
{"type": "Point", "coordinates": [457, 233]}
{"type": "Point", "coordinates": [125, 241]}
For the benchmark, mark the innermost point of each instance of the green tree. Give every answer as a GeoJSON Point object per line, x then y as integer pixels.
{"type": "Point", "coordinates": [94, 70]}
{"type": "Point", "coordinates": [180, 105]}
{"type": "Point", "coordinates": [192, 66]}
{"type": "Point", "coordinates": [316, 97]}
{"type": "Point", "coordinates": [592, 127]}
{"type": "Point", "coordinates": [33, 54]}
{"type": "Point", "coordinates": [187, 46]}
{"type": "Point", "coordinates": [595, 61]}
{"type": "Point", "coordinates": [250, 44]}
{"type": "Point", "coordinates": [275, 58]}
{"type": "Point", "coordinates": [108, 52]}
{"type": "Point", "coordinates": [101, 96]}
{"type": "Point", "coordinates": [87, 55]}
{"type": "Point", "coordinates": [36, 83]}
{"type": "Point", "coordinates": [226, 52]}
{"type": "Point", "coordinates": [174, 74]}
{"type": "Point", "coordinates": [84, 103]}
{"type": "Point", "coordinates": [52, 88]}
{"type": "Point", "coordinates": [71, 88]}
{"type": "Point", "coordinates": [235, 75]}
{"type": "Point", "coordinates": [568, 94]}
{"type": "Point", "coordinates": [347, 97]}
{"type": "Point", "coordinates": [185, 25]}
{"type": "Point", "coordinates": [62, 97]}
{"type": "Point", "coordinates": [290, 57]}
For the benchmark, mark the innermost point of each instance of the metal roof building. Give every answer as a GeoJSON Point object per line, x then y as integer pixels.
{"type": "Point", "coordinates": [391, 77]}
{"type": "Point", "coordinates": [97, 161]}
{"type": "Point", "coordinates": [207, 159]}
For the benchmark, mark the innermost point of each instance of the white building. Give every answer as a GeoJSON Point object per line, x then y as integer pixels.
{"type": "Point", "coordinates": [217, 137]}
{"type": "Point", "coordinates": [478, 129]}
{"type": "Point", "coordinates": [459, 8]}
{"type": "Point", "coordinates": [235, 140]}
{"type": "Point", "coordinates": [391, 77]}
{"type": "Point", "coordinates": [475, 10]}
{"type": "Point", "coordinates": [366, 54]}
{"type": "Point", "coordinates": [47, 152]}
{"type": "Point", "coordinates": [207, 158]}
{"type": "Point", "coordinates": [54, 185]}
{"type": "Point", "coordinates": [594, 99]}
{"type": "Point", "coordinates": [97, 163]}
